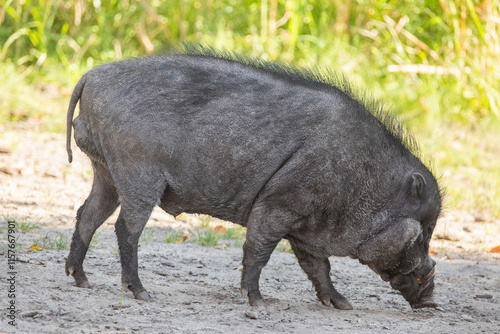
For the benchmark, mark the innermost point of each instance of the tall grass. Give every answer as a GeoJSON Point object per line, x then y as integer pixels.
{"type": "Point", "coordinates": [430, 57]}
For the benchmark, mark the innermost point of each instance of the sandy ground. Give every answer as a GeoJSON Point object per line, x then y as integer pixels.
{"type": "Point", "coordinates": [195, 289]}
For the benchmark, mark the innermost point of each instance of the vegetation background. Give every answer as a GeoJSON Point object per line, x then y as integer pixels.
{"type": "Point", "coordinates": [434, 63]}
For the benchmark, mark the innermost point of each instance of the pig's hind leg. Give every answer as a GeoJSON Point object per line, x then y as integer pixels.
{"type": "Point", "coordinates": [99, 205]}
{"type": "Point", "coordinates": [318, 271]}
{"type": "Point", "coordinates": [261, 239]}
{"type": "Point", "coordinates": [138, 197]}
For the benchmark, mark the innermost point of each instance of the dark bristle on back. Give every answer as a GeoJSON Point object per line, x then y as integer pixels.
{"type": "Point", "coordinates": [321, 78]}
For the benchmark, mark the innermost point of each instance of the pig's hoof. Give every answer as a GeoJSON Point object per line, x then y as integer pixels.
{"type": "Point", "coordinates": [342, 304]}
{"type": "Point", "coordinates": [429, 302]}
{"type": "Point", "coordinates": [143, 295]}
{"type": "Point", "coordinates": [79, 276]}
{"type": "Point", "coordinates": [254, 299]}
{"type": "Point", "coordinates": [257, 303]}
{"type": "Point", "coordinates": [338, 302]}
{"type": "Point", "coordinates": [84, 284]}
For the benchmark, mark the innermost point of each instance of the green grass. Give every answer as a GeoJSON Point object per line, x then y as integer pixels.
{"type": "Point", "coordinates": [232, 236]}
{"type": "Point", "coordinates": [95, 241]}
{"type": "Point", "coordinates": [207, 237]}
{"type": "Point", "coordinates": [39, 103]}
{"type": "Point", "coordinates": [23, 223]}
{"type": "Point", "coordinates": [19, 245]}
{"type": "Point", "coordinates": [148, 234]}
{"type": "Point", "coordinates": [428, 58]}
{"type": "Point", "coordinates": [172, 236]}
{"type": "Point", "coordinates": [204, 221]}
{"type": "Point", "coordinates": [115, 250]}
{"type": "Point", "coordinates": [468, 163]}
{"type": "Point", "coordinates": [284, 246]}
{"type": "Point", "coordinates": [235, 233]}
{"type": "Point", "coordinates": [58, 241]}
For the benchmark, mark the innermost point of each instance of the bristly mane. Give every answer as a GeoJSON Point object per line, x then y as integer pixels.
{"type": "Point", "coordinates": [313, 76]}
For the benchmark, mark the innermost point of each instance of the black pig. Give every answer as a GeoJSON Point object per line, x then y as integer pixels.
{"type": "Point", "coordinates": [287, 153]}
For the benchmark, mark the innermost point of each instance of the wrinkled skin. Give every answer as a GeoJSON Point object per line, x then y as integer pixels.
{"type": "Point", "coordinates": [413, 274]}
{"type": "Point", "coordinates": [264, 146]}
{"type": "Point", "coordinates": [416, 290]}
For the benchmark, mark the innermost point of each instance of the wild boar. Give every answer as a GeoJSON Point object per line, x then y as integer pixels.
{"type": "Point", "coordinates": [286, 152]}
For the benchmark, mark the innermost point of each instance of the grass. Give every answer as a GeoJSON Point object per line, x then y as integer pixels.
{"type": "Point", "coordinates": [204, 221]}
{"type": "Point", "coordinates": [207, 237]}
{"type": "Point", "coordinates": [19, 245]}
{"type": "Point", "coordinates": [206, 234]}
{"type": "Point", "coordinates": [235, 233]}
{"type": "Point", "coordinates": [39, 103]}
{"type": "Point", "coordinates": [58, 241]}
{"type": "Point", "coordinates": [172, 236]}
{"type": "Point", "coordinates": [284, 246]}
{"type": "Point", "coordinates": [23, 223]}
{"type": "Point", "coordinates": [426, 57]}
{"type": "Point", "coordinates": [148, 234]}
{"type": "Point", "coordinates": [115, 250]}
{"type": "Point", "coordinates": [233, 236]}
{"type": "Point", "coordinates": [468, 163]}
{"type": "Point", "coordinates": [95, 241]}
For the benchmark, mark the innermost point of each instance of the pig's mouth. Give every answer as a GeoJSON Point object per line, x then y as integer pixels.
{"type": "Point", "coordinates": [417, 290]}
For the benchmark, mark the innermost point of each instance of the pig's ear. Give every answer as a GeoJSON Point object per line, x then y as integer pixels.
{"type": "Point", "coordinates": [389, 242]}
{"type": "Point", "coordinates": [418, 185]}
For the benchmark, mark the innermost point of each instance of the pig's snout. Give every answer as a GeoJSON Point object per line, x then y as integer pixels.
{"type": "Point", "coordinates": [416, 289]}
{"type": "Point", "coordinates": [425, 291]}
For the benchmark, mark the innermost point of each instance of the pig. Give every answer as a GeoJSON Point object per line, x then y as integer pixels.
{"type": "Point", "coordinates": [287, 152]}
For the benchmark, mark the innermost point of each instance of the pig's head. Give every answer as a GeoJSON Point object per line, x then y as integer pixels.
{"type": "Point", "coordinates": [399, 250]}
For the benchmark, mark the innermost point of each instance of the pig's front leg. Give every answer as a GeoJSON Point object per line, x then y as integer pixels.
{"type": "Point", "coordinates": [318, 271]}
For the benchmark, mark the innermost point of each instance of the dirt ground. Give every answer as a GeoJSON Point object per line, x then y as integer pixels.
{"type": "Point", "coordinates": [195, 289]}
